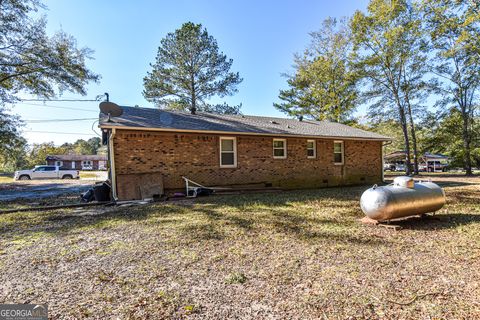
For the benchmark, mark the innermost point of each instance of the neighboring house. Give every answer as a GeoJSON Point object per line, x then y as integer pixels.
{"type": "Point", "coordinates": [236, 150]}
{"type": "Point", "coordinates": [79, 162]}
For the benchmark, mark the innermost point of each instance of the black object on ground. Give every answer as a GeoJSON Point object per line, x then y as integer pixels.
{"type": "Point", "coordinates": [100, 192]}
{"type": "Point", "coordinates": [200, 192]}
{"type": "Point", "coordinates": [88, 196]}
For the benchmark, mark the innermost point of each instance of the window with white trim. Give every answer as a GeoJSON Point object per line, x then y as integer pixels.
{"type": "Point", "coordinates": [311, 149]}
{"type": "Point", "coordinates": [228, 152]}
{"type": "Point", "coordinates": [59, 163]}
{"type": "Point", "coordinates": [279, 148]}
{"type": "Point", "coordinates": [338, 152]}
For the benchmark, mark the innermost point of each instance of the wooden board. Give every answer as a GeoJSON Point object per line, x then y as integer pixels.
{"type": "Point", "coordinates": [139, 186]}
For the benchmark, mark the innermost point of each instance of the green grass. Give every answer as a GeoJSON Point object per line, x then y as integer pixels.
{"type": "Point", "coordinates": [256, 255]}
{"type": "Point", "coordinates": [87, 175]}
{"type": "Point", "coordinates": [5, 179]}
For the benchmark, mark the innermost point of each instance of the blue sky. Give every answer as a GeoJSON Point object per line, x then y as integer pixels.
{"type": "Point", "coordinates": [260, 36]}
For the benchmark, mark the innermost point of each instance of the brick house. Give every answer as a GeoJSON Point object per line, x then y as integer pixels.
{"type": "Point", "coordinates": [79, 162]}
{"type": "Point", "coordinates": [236, 150]}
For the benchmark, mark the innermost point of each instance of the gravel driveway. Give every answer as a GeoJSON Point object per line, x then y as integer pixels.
{"type": "Point", "coordinates": [38, 189]}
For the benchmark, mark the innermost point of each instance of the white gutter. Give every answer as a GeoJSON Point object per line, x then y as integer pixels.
{"type": "Point", "coordinates": [112, 164]}
{"type": "Point", "coordinates": [270, 134]}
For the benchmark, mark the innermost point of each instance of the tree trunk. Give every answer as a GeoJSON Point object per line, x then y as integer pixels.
{"type": "Point", "coordinates": [414, 138]}
{"type": "Point", "coordinates": [467, 161]}
{"type": "Point", "coordinates": [407, 144]}
{"type": "Point", "coordinates": [403, 123]}
{"type": "Point", "coordinates": [193, 106]}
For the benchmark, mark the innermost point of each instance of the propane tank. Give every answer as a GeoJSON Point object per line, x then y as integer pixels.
{"type": "Point", "coordinates": [403, 198]}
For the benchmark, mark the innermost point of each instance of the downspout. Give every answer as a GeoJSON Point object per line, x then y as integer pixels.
{"type": "Point", "coordinates": [112, 164]}
{"type": "Point", "coordinates": [383, 159]}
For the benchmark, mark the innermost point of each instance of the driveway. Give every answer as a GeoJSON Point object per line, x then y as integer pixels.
{"type": "Point", "coordinates": [38, 189]}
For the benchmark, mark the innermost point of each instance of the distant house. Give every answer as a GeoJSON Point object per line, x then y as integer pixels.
{"type": "Point", "coordinates": [79, 162]}
{"type": "Point", "coordinates": [156, 146]}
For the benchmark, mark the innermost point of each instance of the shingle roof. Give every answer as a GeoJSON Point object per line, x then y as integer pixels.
{"type": "Point", "coordinates": [76, 157]}
{"type": "Point", "coordinates": [135, 117]}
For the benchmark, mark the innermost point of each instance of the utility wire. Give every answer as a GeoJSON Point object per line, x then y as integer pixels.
{"type": "Point", "coordinates": [63, 100]}
{"type": "Point", "coordinates": [98, 134]}
{"type": "Point", "coordinates": [58, 107]}
{"type": "Point", "coordinates": [56, 132]}
{"type": "Point", "coordinates": [56, 120]}
{"type": "Point", "coordinates": [97, 98]}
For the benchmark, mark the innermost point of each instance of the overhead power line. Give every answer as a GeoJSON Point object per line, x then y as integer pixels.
{"type": "Point", "coordinates": [97, 98]}
{"type": "Point", "coordinates": [63, 100]}
{"type": "Point", "coordinates": [59, 107]}
{"type": "Point", "coordinates": [56, 120]}
{"type": "Point", "coordinates": [57, 132]}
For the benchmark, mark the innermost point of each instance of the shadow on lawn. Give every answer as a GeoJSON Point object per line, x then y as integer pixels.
{"type": "Point", "coordinates": [440, 221]}
{"type": "Point", "coordinates": [212, 218]}
{"type": "Point", "coordinates": [288, 197]}
{"type": "Point", "coordinates": [292, 213]}
{"type": "Point", "coordinates": [291, 225]}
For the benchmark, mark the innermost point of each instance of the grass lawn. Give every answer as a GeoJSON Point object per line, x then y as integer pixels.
{"type": "Point", "coordinates": [295, 255]}
{"type": "Point", "coordinates": [87, 175]}
{"type": "Point", "coordinates": [6, 179]}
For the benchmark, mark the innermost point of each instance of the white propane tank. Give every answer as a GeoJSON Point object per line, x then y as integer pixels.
{"type": "Point", "coordinates": [402, 199]}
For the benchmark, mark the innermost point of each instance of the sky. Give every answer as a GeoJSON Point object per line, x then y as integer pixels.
{"type": "Point", "coordinates": [260, 36]}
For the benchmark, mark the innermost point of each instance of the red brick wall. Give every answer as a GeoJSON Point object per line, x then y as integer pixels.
{"type": "Point", "coordinates": [196, 156]}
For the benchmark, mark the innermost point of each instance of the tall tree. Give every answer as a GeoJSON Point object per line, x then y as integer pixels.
{"type": "Point", "coordinates": [90, 146]}
{"type": "Point", "coordinates": [388, 55]}
{"type": "Point", "coordinates": [35, 63]}
{"type": "Point", "coordinates": [454, 33]}
{"type": "Point", "coordinates": [223, 108]}
{"type": "Point", "coordinates": [324, 84]}
{"type": "Point", "coordinates": [443, 134]}
{"type": "Point", "coordinates": [39, 152]}
{"type": "Point", "coordinates": [12, 145]}
{"type": "Point", "coordinates": [189, 69]}
{"type": "Point", "coordinates": [95, 143]}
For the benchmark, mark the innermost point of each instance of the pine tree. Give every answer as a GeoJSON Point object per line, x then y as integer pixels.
{"type": "Point", "coordinates": [189, 69]}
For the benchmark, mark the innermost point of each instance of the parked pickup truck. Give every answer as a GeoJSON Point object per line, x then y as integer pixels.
{"type": "Point", "coordinates": [46, 172]}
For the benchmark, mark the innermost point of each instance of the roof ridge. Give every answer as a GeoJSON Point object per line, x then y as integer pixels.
{"type": "Point", "coordinates": [220, 114]}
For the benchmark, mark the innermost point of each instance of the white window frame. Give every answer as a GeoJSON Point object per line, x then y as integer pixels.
{"type": "Point", "coordinates": [73, 165]}
{"type": "Point", "coordinates": [102, 164]}
{"type": "Point", "coordinates": [342, 153]}
{"type": "Point", "coordinates": [234, 139]}
{"type": "Point", "coordinates": [314, 149]}
{"type": "Point", "coordinates": [284, 149]}
{"type": "Point", "coordinates": [59, 163]}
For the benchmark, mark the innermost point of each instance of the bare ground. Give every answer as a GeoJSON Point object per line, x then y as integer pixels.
{"type": "Point", "coordinates": [295, 255]}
